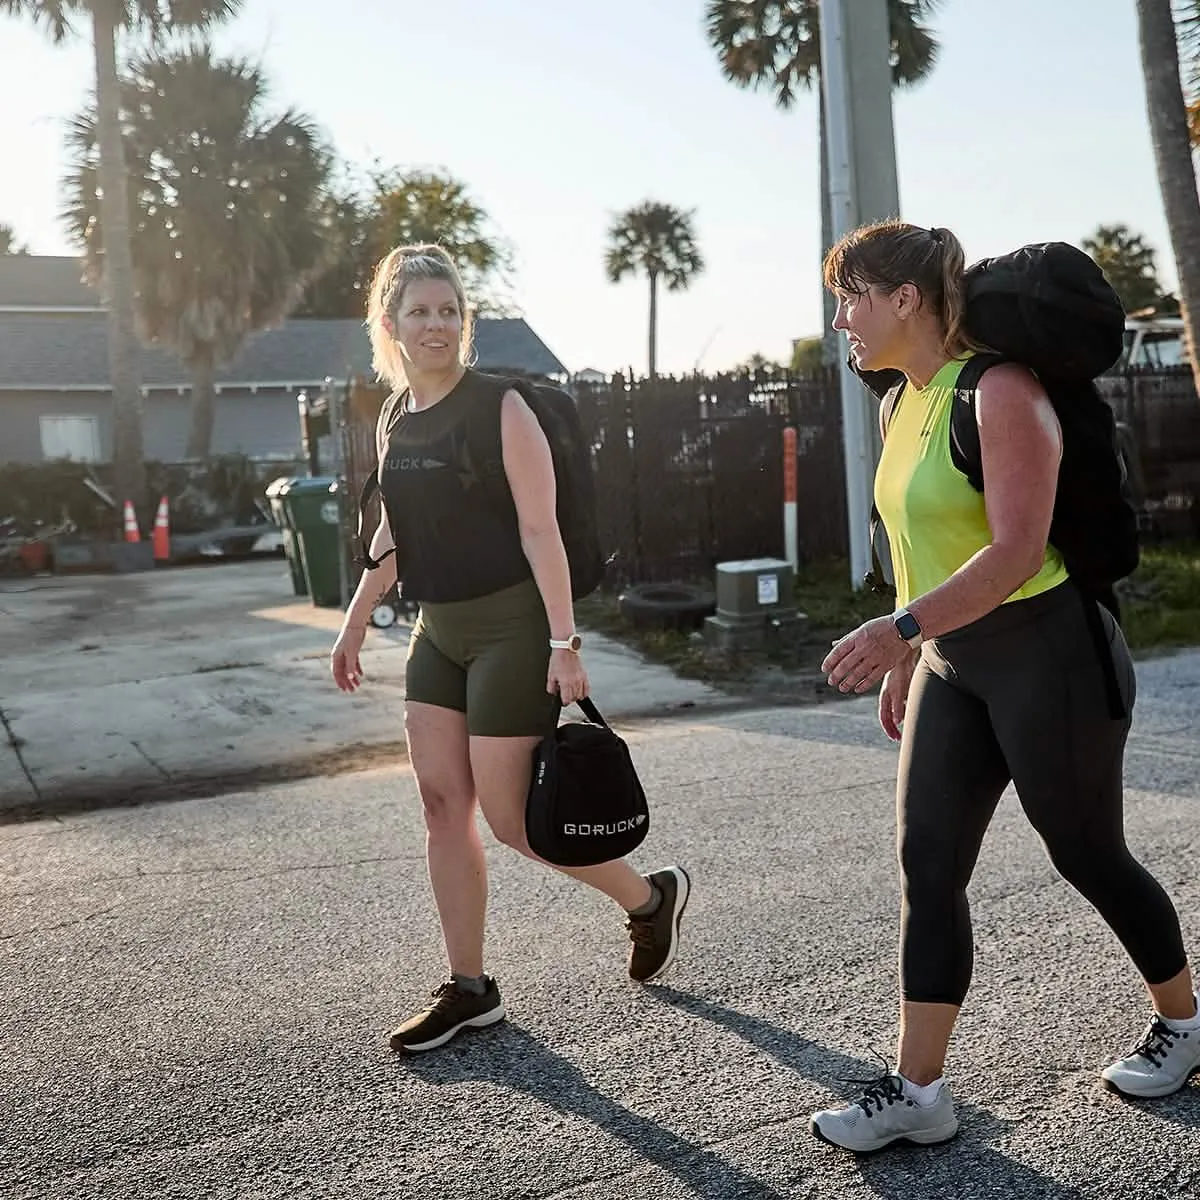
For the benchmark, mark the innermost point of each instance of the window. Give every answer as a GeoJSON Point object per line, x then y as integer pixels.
{"type": "Point", "coordinates": [74, 437]}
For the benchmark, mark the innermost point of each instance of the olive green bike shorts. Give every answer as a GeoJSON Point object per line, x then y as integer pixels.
{"type": "Point", "coordinates": [486, 658]}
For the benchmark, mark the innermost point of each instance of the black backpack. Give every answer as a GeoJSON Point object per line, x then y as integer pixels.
{"type": "Point", "coordinates": [1050, 308]}
{"type": "Point", "coordinates": [575, 483]}
{"type": "Point", "coordinates": [585, 803]}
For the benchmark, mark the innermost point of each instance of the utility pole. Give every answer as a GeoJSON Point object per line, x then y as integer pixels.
{"type": "Point", "coordinates": [856, 87]}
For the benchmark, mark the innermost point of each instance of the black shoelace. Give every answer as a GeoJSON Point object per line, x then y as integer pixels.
{"type": "Point", "coordinates": [1158, 1041]}
{"type": "Point", "coordinates": [881, 1092]}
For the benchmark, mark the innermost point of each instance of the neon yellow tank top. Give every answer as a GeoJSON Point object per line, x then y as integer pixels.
{"type": "Point", "coordinates": [935, 519]}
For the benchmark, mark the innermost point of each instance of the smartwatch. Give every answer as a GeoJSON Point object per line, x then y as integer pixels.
{"type": "Point", "coordinates": [908, 628]}
{"type": "Point", "coordinates": [572, 643]}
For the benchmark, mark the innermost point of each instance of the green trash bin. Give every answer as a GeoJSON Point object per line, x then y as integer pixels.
{"type": "Point", "coordinates": [313, 504]}
{"type": "Point", "coordinates": [277, 492]}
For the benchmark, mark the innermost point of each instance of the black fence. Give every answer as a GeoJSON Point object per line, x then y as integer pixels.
{"type": "Point", "coordinates": [690, 471]}
{"type": "Point", "coordinates": [1160, 409]}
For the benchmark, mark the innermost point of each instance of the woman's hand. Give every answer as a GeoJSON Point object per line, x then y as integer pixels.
{"type": "Point", "coordinates": [343, 658]}
{"type": "Point", "coordinates": [893, 696]}
{"type": "Point", "coordinates": [860, 660]}
{"type": "Point", "coordinates": [566, 676]}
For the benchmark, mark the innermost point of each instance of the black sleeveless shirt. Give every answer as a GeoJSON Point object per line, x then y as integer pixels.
{"type": "Point", "coordinates": [456, 538]}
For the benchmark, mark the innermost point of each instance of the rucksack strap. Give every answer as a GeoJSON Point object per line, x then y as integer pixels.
{"type": "Point", "coordinates": [876, 578]}
{"type": "Point", "coordinates": [388, 413]}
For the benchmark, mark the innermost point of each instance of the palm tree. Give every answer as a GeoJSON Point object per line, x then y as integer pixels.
{"type": "Point", "coordinates": [225, 205]}
{"type": "Point", "coordinates": [1128, 262]}
{"type": "Point", "coordinates": [108, 18]}
{"type": "Point", "coordinates": [8, 241]}
{"type": "Point", "coordinates": [1173, 153]}
{"type": "Point", "coordinates": [777, 44]}
{"type": "Point", "coordinates": [659, 240]}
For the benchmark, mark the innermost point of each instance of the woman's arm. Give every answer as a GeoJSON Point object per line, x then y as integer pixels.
{"type": "Point", "coordinates": [373, 585]}
{"type": "Point", "coordinates": [530, 471]}
{"type": "Point", "coordinates": [1020, 442]}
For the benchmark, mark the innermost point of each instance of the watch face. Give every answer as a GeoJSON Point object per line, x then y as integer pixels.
{"type": "Point", "coordinates": [576, 642]}
{"type": "Point", "coordinates": [907, 627]}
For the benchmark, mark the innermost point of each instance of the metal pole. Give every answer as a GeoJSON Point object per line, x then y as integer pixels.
{"type": "Point", "coordinates": [835, 88]}
{"type": "Point", "coordinates": [791, 539]}
{"type": "Point", "coordinates": [337, 432]}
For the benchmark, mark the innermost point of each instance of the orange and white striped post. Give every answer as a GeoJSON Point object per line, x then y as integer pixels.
{"type": "Point", "coordinates": [132, 533]}
{"type": "Point", "coordinates": [791, 543]}
{"type": "Point", "coordinates": [162, 532]}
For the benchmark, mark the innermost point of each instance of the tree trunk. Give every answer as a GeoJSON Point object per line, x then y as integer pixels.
{"type": "Point", "coordinates": [653, 358]}
{"type": "Point", "coordinates": [124, 354]}
{"type": "Point", "coordinates": [1172, 153]}
{"type": "Point", "coordinates": [199, 443]}
{"type": "Point", "coordinates": [829, 338]}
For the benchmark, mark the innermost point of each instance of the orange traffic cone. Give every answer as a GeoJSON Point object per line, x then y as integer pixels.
{"type": "Point", "coordinates": [132, 533]}
{"type": "Point", "coordinates": [162, 533]}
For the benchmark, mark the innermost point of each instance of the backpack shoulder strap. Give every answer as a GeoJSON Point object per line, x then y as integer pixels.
{"type": "Point", "coordinates": [484, 441]}
{"type": "Point", "coordinates": [388, 412]}
{"type": "Point", "coordinates": [965, 452]}
{"type": "Point", "coordinates": [888, 406]}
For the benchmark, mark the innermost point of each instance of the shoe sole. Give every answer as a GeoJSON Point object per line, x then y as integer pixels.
{"type": "Point", "coordinates": [1154, 1094]}
{"type": "Point", "coordinates": [683, 889]}
{"type": "Point", "coordinates": [491, 1017]}
{"type": "Point", "coordinates": [927, 1137]}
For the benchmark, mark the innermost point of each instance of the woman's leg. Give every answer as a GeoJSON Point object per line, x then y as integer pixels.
{"type": "Point", "coordinates": [950, 779]}
{"type": "Point", "coordinates": [1067, 755]}
{"type": "Point", "coordinates": [438, 750]}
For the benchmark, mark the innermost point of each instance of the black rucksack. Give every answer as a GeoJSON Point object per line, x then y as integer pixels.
{"type": "Point", "coordinates": [1050, 308]}
{"type": "Point", "coordinates": [585, 803]}
{"type": "Point", "coordinates": [575, 483]}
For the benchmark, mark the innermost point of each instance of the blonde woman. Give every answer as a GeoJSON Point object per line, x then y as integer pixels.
{"type": "Point", "coordinates": [495, 639]}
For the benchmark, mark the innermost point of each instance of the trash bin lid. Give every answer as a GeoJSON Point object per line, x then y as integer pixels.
{"type": "Point", "coordinates": [280, 487]}
{"type": "Point", "coordinates": [314, 483]}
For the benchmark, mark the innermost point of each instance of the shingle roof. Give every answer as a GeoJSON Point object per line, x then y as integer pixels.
{"type": "Point", "coordinates": [43, 280]}
{"type": "Point", "coordinates": [55, 349]}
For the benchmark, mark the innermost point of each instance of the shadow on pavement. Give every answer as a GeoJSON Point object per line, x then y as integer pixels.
{"type": "Point", "coordinates": [963, 1167]}
{"type": "Point", "coordinates": [515, 1059]}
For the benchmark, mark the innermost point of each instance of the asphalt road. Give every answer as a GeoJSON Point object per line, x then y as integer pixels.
{"type": "Point", "coordinates": [195, 997]}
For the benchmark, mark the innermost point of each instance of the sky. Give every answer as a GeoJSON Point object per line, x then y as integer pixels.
{"type": "Point", "coordinates": [559, 114]}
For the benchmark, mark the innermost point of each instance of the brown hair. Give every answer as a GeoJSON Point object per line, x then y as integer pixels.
{"type": "Point", "coordinates": [397, 269]}
{"type": "Point", "coordinates": [891, 253]}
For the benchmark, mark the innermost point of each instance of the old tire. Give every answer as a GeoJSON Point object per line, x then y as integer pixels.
{"type": "Point", "coordinates": [679, 606]}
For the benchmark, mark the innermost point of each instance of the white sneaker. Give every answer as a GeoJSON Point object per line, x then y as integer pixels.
{"type": "Point", "coordinates": [1161, 1063]}
{"type": "Point", "coordinates": [882, 1115]}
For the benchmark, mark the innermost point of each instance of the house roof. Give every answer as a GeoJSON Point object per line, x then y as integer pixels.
{"type": "Point", "coordinates": [46, 346]}
{"type": "Point", "coordinates": [44, 281]}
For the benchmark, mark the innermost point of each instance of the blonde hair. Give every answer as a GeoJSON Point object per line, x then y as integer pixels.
{"type": "Point", "coordinates": [396, 270]}
{"type": "Point", "coordinates": [891, 253]}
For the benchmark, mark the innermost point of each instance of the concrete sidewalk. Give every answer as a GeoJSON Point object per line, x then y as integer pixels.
{"type": "Point", "coordinates": [114, 688]}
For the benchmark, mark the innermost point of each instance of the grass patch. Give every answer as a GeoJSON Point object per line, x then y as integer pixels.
{"type": "Point", "coordinates": [822, 592]}
{"type": "Point", "coordinates": [1160, 602]}
{"type": "Point", "coordinates": [1160, 611]}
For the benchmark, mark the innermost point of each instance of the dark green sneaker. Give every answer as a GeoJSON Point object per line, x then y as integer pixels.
{"type": "Point", "coordinates": [656, 937]}
{"type": "Point", "coordinates": [452, 1011]}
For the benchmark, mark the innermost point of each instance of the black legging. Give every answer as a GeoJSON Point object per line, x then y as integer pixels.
{"type": "Point", "coordinates": [1019, 696]}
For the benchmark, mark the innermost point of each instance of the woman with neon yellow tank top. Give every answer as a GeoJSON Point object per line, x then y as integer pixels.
{"type": "Point", "coordinates": [990, 675]}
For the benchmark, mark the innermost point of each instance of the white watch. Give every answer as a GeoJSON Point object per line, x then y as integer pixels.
{"type": "Point", "coordinates": [572, 643]}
